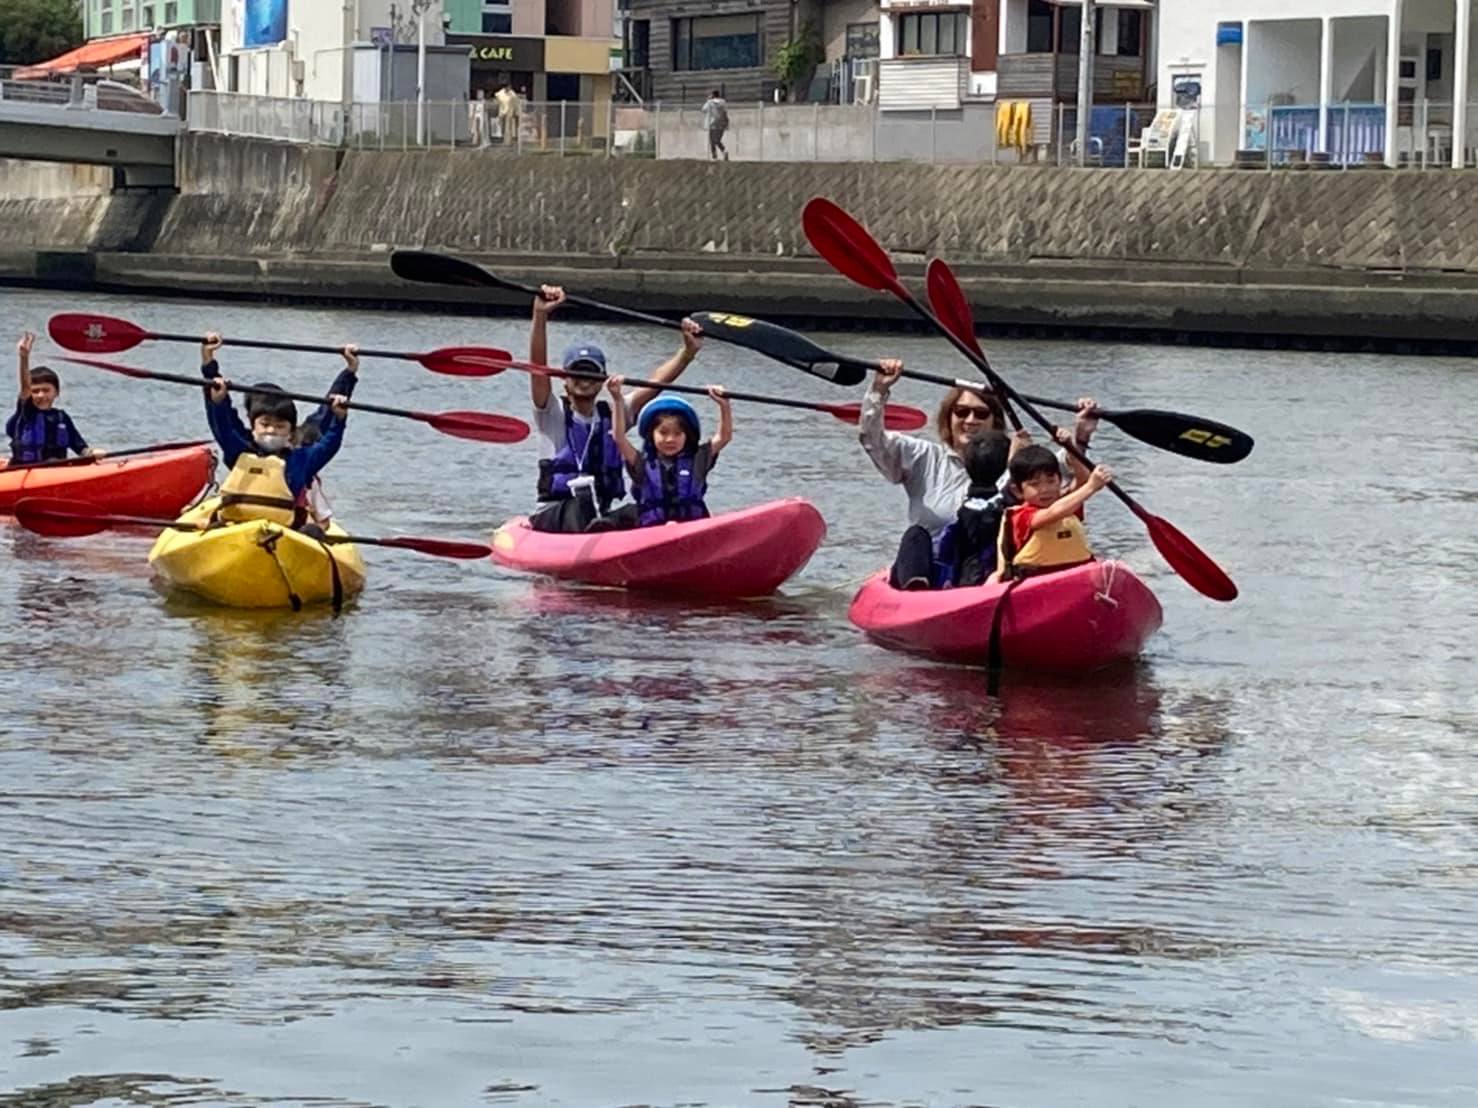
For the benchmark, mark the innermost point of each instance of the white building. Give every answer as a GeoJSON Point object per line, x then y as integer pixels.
{"type": "Point", "coordinates": [1298, 78]}
{"type": "Point", "coordinates": [312, 48]}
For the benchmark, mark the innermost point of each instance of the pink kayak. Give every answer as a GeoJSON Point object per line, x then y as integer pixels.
{"type": "Point", "coordinates": [1079, 619]}
{"type": "Point", "coordinates": [738, 554]}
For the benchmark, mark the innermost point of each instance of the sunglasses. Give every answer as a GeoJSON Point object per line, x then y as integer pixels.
{"type": "Point", "coordinates": [965, 411]}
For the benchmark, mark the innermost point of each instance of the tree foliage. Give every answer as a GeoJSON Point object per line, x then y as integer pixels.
{"type": "Point", "coordinates": [35, 30]}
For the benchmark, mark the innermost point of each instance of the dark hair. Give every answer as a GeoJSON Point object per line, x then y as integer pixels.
{"type": "Point", "coordinates": [717, 95]}
{"type": "Point", "coordinates": [985, 457]}
{"type": "Point", "coordinates": [1032, 461]}
{"type": "Point", "coordinates": [273, 405]}
{"type": "Point", "coordinates": [43, 376]}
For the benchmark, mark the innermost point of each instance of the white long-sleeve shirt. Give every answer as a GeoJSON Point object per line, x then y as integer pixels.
{"type": "Point", "coordinates": [931, 473]}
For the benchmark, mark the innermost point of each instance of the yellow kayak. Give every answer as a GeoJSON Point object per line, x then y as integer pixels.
{"type": "Point", "coordinates": [256, 564]}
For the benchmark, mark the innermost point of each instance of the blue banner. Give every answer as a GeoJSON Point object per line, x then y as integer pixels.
{"type": "Point", "coordinates": [265, 23]}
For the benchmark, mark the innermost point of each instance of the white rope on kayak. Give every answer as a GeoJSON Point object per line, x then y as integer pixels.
{"type": "Point", "coordinates": [1106, 581]}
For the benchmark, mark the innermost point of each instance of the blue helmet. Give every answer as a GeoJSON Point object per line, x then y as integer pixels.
{"type": "Point", "coordinates": [669, 405]}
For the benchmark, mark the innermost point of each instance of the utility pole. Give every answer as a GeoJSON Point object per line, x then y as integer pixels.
{"type": "Point", "coordinates": [1086, 46]}
{"type": "Point", "coordinates": [421, 81]}
{"type": "Point", "coordinates": [390, 69]}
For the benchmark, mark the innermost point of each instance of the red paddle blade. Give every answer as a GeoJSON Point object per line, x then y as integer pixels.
{"type": "Point", "coordinates": [896, 417]}
{"type": "Point", "coordinates": [847, 246]}
{"type": "Point", "coordinates": [94, 334]}
{"type": "Point", "coordinates": [438, 548]}
{"type": "Point", "coordinates": [478, 426]}
{"type": "Point", "coordinates": [949, 304]}
{"type": "Point", "coordinates": [466, 361]}
{"type": "Point", "coordinates": [1189, 560]}
{"type": "Point", "coordinates": [60, 519]}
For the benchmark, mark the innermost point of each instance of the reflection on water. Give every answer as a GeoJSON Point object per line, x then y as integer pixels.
{"type": "Point", "coordinates": [527, 843]}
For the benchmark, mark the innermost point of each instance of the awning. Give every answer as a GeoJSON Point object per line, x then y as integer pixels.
{"type": "Point", "coordinates": [98, 54]}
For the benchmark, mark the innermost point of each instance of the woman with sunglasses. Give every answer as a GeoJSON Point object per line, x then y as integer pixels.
{"type": "Point", "coordinates": [933, 473]}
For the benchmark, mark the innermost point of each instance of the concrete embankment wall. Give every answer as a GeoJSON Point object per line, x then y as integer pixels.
{"type": "Point", "coordinates": [1360, 253]}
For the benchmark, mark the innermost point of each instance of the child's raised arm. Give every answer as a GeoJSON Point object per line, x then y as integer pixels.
{"type": "Point", "coordinates": [23, 362]}
{"type": "Point", "coordinates": [629, 454]}
{"type": "Point", "coordinates": [1080, 472]}
{"type": "Point", "coordinates": [550, 297]}
{"type": "Point", "coordinates": [1065, 506]}
{"type": "Point", "coordinates": [725, 430]}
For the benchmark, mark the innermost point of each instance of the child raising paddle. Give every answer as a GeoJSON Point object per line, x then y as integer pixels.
{"type": "Point", "coordinates": [669, 474]}
{"type": "Point", "coordinates": [1044, 532]}
{"type": "Point", "coordinates": [39, 431]}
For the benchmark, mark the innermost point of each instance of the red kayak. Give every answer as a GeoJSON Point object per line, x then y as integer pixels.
{"type": "Point", "coordinates": [157, 484]}
{"type": "Point", "coordinates": [738, 554]}
{"type": "Point", "coordinates": [1078, 619]}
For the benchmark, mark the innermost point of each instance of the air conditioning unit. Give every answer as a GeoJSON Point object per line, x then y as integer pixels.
{"type": "Point", "coordinates": [863, 89]}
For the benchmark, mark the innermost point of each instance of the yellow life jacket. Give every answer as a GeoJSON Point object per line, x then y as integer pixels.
{"type": "Point", "coordinates": [256, 488]}
{"type": "Point", "coordinates": [1060, 546]}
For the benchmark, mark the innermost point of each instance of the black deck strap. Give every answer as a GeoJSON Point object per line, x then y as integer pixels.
{"type": "Point", "coordinates": [269, 544]}
{"type": "Point", "coordinates": [994, 659]}
{"type": "Point", "coordinates": [333, 569]}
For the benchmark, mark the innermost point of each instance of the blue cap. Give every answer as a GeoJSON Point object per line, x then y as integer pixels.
{"type": "Point", "coordinates": [586, 356]}
{"type": "Point", "coordinates": [668, 405]}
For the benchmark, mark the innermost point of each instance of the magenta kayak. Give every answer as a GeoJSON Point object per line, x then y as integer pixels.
{"type": "Point", "coordinates": [1079, 619]}
{"type": "Point", "coordinates": [751, 552]}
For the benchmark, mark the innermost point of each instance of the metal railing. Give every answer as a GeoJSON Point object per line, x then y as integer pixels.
{"type": "Point", "coordinates": [1004, 133]}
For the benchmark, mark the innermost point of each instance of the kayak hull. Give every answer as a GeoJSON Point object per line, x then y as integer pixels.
{"type": "Point", "coordinates": [158, 484]}
{"type": "Point", "coordinates": [735, 555]}
{"type": "Point", "coordinates": [254, 565]}
{"type": "Point", "coordinates": [1077, 620]}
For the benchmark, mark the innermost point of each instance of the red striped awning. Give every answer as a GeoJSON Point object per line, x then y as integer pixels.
{"type": "Point", "coordinates": [97, 54]}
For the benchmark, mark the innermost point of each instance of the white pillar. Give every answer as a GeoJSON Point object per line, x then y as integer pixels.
{"type": "Point", "coordinates": [1242, 95]}
{"type": "Point", "coordinates": [421, 81]}
{"type": "Point", "coordinates": [1326, 80]}
{"type": "Point", "coordinates": [1086, 47]}
{"type": "Point", "coordinates": [1393, 79]}
{"type": "Point", "coordinates": [1463, 30]}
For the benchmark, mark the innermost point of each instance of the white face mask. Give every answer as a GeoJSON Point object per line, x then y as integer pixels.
{"type": "Point", "coordinates": [272, 444]}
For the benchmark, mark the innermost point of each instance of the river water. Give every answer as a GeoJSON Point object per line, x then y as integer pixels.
{"type": "Point", "coordinates": [486, 840]}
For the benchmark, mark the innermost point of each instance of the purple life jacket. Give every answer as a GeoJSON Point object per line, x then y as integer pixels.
{"type": "Point", "coordinates": [669, 493]}
{"type": "Point", "coordinates": [591, 449]}
{"type": "Point", "coordinates": [38, 439]}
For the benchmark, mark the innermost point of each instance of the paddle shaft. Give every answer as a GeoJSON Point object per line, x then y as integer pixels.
{"type": "Point", "coordinates": [159, 448]}
{"type": "Point", "coordinates": [270, 344]}
{"type": "Point", "coordinates": [692, 390]}
{"type": "Point", "coordinates": [202, 383]}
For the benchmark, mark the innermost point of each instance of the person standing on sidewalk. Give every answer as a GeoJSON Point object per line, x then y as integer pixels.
{"type": "Point", "coordinates": [716, 122]}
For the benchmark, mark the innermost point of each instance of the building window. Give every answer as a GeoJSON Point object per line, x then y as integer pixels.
{"type": "Point", "coordinates": [641, 43]}
{"type": "Point", "coordinates": [1131, 32]}
{"type": "Point", "coordinates": [146, 16]}
{"type": "Point", "coordinates": [171, 12]}
{"type": "Point", "coordinates": [1040, 16]}
{"type": "Point", "coordinates": [105, 24]}
{"type": "Point", "coordinates": [931, 34]}
{"type": "Point", "coordinates": [128, 19]}
{"type": "Point", "coordinates": [716, 42]}
{"type": "Point", "coordinates": [497, 23]}
{"type": "Point", "coordinates": [862, 40]}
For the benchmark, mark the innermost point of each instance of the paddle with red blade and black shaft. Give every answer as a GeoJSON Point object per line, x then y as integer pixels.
{"type": "Point", "coordinates": [477, 426]}
{"type": "Point", "coordinates": [855, 254]}
{"type": "Point", "coordinates": [896, 417]}
{"type": "Point", "coordinates": [100, 334]}
{"type": "Point", "coordinates": [776, 342]}
{"type": "Point", "coordinates": [1205, 440]}
{"type": "Point", "coordinates": [72, 519]}
{"type": "Point", "coordinates": [157, 448]}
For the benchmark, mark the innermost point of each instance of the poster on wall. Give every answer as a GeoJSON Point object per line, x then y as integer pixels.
{"type": "Point", "coordinates": [265, 23]}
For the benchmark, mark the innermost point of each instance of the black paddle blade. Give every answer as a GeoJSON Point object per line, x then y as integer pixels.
{"type": "Point", "coordinates": [782, 344]}
{"type": "Point", "coordinates": [1190, 436]}
{"type": "Point", "coordinates": [440, 269]}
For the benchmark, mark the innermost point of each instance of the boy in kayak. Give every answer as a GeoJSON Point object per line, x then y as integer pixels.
{"type": "Point", "coordinates": [39, 431]}
{"type": "Point", "coordinates": [580, 470]}
{"type": "Point", "coordinates": [1044, 533]}
{"type": "Point", "coordinates": [968, 546]}
{"type": "Point", "coordinates": [319, 508]}
{"type": "Point", "coordinates": [669, 474]}
{"type": "Point", "coordinates": [269, 476]}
